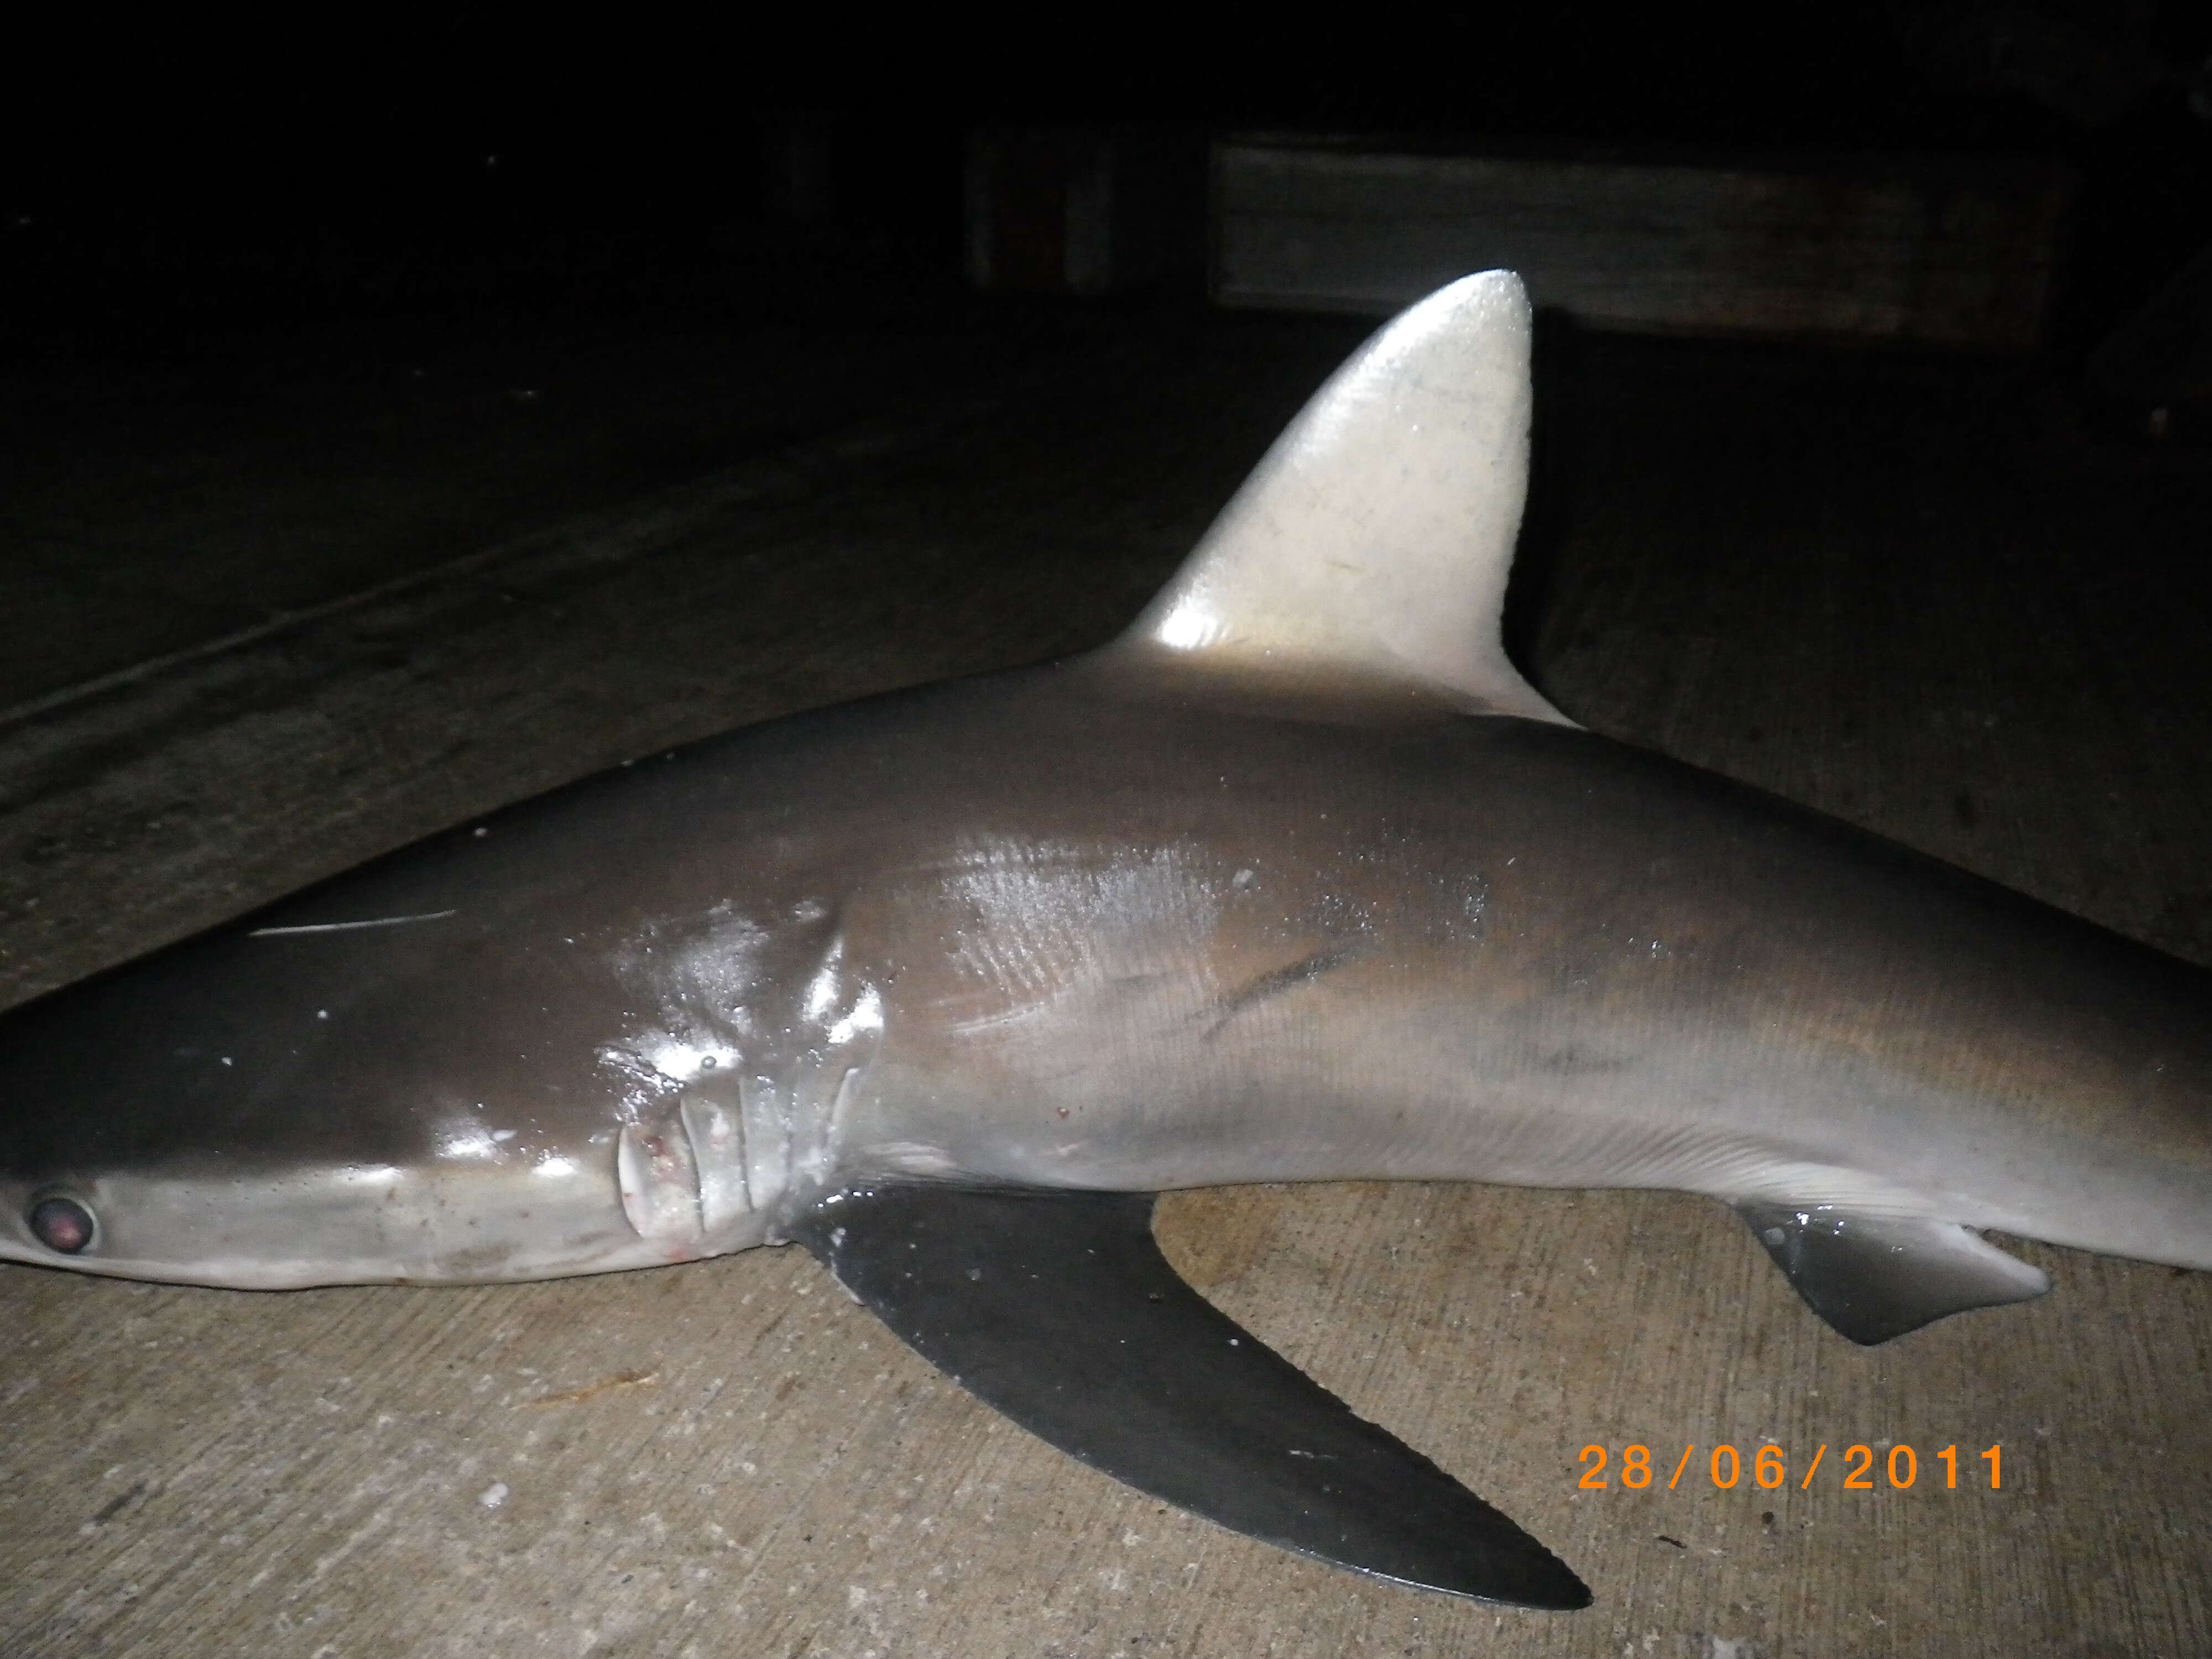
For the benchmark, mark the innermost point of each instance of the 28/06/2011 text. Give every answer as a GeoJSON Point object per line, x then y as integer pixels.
{"type": "Point", "coordinates": [1769, 1468]}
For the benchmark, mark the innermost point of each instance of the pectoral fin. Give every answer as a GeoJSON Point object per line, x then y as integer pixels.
{"type": "Point", "coordinates": [1059, 1309]}
{"type": "Point", "coordinates": [1876, 1277]}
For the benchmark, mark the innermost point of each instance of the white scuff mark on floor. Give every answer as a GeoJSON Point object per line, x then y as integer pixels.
{"type": "Point", "coordinates": [379, 1519]}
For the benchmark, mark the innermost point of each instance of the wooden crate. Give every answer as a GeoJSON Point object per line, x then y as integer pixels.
{"type": "Point", "coordinates": [1930, 250]}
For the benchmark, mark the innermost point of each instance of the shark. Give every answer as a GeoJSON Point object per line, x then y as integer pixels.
{"type": "Point", "coordinates": [1299, 879]}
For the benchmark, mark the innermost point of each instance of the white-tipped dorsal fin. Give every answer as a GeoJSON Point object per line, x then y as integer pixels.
{"type": "Point", "coordinates": [1372, 543]}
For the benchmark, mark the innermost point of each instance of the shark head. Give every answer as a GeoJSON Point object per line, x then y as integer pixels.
{"type": "Point", "coordinates": [192, 1165]}
{"type": "Point", "coordinates": [270, 1106]}
{"type": "Point", "coordinates": [210, 1221]}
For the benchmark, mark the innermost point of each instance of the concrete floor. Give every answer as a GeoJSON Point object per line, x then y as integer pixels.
{"type": "Point", "coordinates": [1910, 595]}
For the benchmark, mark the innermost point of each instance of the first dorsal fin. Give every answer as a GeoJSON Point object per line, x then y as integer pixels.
{"type": "Point", "coordinates": [1373, 542]}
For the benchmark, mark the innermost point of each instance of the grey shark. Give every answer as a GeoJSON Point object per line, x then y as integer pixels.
{"type": "Point", "coordinates": [1299, 880]}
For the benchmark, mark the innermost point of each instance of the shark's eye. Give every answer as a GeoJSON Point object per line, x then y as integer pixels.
{"type": "Point", "coordinates": [61, 1224]}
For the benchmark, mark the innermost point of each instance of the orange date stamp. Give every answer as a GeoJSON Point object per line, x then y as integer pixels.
{"type": "Point", "coordinates": [1861, 1469]}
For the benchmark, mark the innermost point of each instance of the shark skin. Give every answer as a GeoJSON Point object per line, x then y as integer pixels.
{"type": "Point", "coordinates": [1297, 880]}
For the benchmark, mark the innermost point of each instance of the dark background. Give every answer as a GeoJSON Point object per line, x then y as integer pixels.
{"type": "Point", "coordinates": [165, 172]}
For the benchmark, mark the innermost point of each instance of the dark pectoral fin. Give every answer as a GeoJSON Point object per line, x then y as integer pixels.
{"type": "Point", "coordinates": [1059, 1309]}
{"type": "Point", "coordinates": [1875, 1277]}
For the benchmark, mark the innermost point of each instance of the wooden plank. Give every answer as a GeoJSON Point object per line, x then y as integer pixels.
{"type": "Point", "coordinates": [1953, 254]}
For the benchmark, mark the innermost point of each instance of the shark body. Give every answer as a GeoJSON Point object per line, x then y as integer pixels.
{"type": "Point", "coordinates": [1299, 880]}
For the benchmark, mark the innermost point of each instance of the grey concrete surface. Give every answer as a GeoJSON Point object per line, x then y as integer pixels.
{"type": "Point", "coordinates": [1913, 596]}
